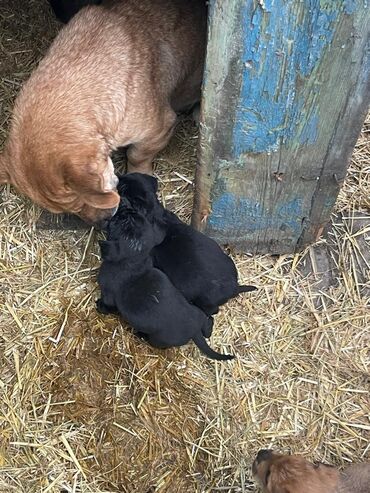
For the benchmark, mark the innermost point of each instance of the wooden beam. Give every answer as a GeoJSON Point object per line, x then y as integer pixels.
{"type": "Point", "coordinates": [285, 94]}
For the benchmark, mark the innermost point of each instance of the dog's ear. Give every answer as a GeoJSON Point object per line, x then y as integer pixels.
{"type": "Point", "coordinates": [103, 200]}
{"type": "Point", "coordinates": [152, 182]}
{"type": "Point", "coordinates": [4, 175]}
{"type": "Point", "coordinates": [281, 476]}
{"type": "Point", "coordinates": [89, 172]}
{"type": "Point", "coordinates": [275, 483]}
{"type": "Point", "coordinates": [139, 189]}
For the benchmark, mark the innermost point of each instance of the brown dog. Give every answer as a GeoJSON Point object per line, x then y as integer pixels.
{"type": "Point", "coordinates": [115, 76]}
{"type": "Point", "coordinates": [293, 474]}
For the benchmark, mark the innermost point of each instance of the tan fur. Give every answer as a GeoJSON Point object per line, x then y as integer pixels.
{"type": "Point", "coordinates": [294, 474]}
{"type": "Point", "coordinates": [355, 479]}
{"type": "Point", "coordinates": [114, 76]}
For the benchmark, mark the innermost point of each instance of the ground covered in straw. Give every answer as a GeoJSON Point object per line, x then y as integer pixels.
{"type": "Point", "coordinates": [85, 407]}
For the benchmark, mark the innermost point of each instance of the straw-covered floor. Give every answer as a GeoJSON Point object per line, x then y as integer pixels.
{"type": "Point", "coordinates": [86, 407]}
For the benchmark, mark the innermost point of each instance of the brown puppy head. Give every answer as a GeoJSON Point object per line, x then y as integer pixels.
{"type": "Point", "coordinates": [279, 473]}
{"type": "Point", "coordinates": [62, 177]}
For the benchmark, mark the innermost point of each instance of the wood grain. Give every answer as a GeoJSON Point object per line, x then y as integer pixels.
{"type": "Point", "coordinates": [285, 94]}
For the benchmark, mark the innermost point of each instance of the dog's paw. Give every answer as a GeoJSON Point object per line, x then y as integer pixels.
{"type": "Point", "coordinates": [208, 328]}
{"type": "Point", "coordinates": [142, 335]}
{"type": "Point", "coordinates": [101, 307]}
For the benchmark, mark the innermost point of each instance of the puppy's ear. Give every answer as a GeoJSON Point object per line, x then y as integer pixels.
{"type": "Point", "coordinates": [277, 478]}
{"type": "Point", "coordinates": [104, 200]}
{"type": "Point", "coordinates": [4, 175]}
{"type": "Point", "coordinates": [152, 182]}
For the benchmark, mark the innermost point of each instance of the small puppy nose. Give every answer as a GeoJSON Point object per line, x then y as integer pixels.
{"type": "Point", "coordinates": [263, 455]}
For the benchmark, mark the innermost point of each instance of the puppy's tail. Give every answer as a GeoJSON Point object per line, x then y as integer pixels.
{"type": "Point", "coordinates": [244, 288]}
{"type": "Point", "coordinates": [208, 351]}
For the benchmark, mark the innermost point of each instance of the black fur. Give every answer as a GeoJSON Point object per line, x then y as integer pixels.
{"type": "Point", "coordinates": [194, 263]}
{"type": "Point", "coordinates": [197, 266]}
{"type": "Point", "coordinates": [64, 10]}
{"type": "Point", "coordinates": [143, 295]}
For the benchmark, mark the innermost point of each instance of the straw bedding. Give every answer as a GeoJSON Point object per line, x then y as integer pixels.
{"type": "Point", "coordinates": [85, 407]}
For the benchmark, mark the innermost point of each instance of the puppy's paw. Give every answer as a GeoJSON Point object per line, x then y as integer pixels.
{"type": "Point", "coordinates": [208, 328]}
{"type": "Point", "coordinates": [101, 307]}
{"type": "Point", "coordinates": [142, 335]}
{"type": "Point", "coordinates": [210, 310]}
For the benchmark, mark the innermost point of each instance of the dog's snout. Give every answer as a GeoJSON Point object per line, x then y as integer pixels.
{"type": "Point", "coordinates": [102, 224]}
{"type": "Point", "coordinates": [99, 218]}
{"type": "Point", "coordinates": [263, 454]}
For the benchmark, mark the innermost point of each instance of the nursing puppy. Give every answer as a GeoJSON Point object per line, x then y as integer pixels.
{"type": "Point", "coordinates": [143, 295]}
{"type": "Point", "coordinates": [115, 76]}
{"type": "Point", "coordinates": [293, 474]}
{"type": "Point", "coordinates": [66, 9]}
{"type": "Point", "coordinates": [194, 263]}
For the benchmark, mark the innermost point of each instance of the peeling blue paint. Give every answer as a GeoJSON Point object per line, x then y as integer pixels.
{"type": "Point", "coordinates": [230, 211]}
{"type": "Point", "coordinates": [350, 6]}
{"type": "Point", "coordinates": [281, 47]}
{"type": "Point", "coordinates": [309, 130]}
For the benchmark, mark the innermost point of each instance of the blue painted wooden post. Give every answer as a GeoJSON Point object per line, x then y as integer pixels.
{"type": "Point", "coordinates": [285, 94]}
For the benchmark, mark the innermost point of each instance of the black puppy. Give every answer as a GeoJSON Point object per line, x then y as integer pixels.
{"type": "Point", "coordinates": [142, 294]}
{"type": "Point", "coordinates": [197, 266]}
{"type": "Point", "coordinates": [64, 10]}
{"type": "Point", "coordinates": [194, 263]}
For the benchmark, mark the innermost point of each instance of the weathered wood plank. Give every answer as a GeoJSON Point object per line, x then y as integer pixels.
{"type": "Point", "coordinates": [286, 92]}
